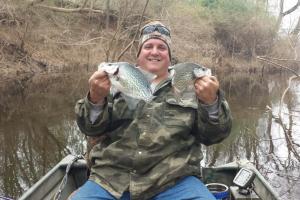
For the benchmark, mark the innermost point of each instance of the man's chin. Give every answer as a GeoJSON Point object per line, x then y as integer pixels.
{"type": "Point", "coordinates": [153, 69]}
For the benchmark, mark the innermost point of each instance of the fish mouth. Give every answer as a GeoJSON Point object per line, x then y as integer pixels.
{"type": "Point", "coordinates": [116, 71]}
{"type": "Point", "coordinates": [110, 68]}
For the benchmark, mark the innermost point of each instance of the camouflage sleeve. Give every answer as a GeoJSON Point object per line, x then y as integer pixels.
{"type": "Point", "coordinates": [210, 131]}
{"type": "Point", "coordinates": [99, 126]}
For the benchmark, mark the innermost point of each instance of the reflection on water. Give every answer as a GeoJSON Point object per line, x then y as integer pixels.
{"type": "Point", "coordinates": [38, 129]}
{"type": "Point", "coordinates": [259, 135]}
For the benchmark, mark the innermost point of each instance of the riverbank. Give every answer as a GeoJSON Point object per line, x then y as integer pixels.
{"type": "Point", "coordinates": [40, 46]}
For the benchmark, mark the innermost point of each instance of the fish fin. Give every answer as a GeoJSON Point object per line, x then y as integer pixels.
{"type": "Point", "coordinates": [172, 74]}
{"type": "Point", "coordinates": [131, 102]}
{"type": "Point", "coordinates": [149, 76]}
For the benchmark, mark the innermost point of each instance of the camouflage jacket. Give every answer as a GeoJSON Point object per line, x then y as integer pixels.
{"type": "Point", "coordinates": [148, 149]}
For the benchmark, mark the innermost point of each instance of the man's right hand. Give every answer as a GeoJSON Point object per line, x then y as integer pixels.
{"type": "Point", "coordinates": [99, 85]}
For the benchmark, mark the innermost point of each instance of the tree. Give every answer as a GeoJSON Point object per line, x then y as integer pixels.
{"type": "Point", "coordinates": [295, 33]}
{"type": "Point", "coordinates": [284, 13]}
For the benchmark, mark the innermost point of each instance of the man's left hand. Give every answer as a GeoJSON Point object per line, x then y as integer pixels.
{"type": "Point", "coordinates": [206, 89]}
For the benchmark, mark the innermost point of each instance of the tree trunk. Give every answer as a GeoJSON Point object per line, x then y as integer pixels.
{"type": "Point", "coordinates": [280, 16]}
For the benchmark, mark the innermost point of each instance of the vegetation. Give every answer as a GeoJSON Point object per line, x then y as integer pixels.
{"type": "Point", "coordinates": [81, 33]}
{"type": "Point", "coordinates": [58, 36]}
{"type": "Point", "coordinates": [243, 29]}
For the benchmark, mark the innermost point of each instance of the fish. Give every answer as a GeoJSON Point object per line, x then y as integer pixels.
{"type": "Point", "coordinates": [184, 76]}
{"type": "Point", "coordinates": [133, 82]}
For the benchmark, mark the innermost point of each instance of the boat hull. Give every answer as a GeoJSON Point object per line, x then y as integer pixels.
{"type": "Point", "coordinates": [48, 186]}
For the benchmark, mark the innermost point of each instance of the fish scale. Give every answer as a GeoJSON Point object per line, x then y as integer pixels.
{"type": "Point", "coordinates": [129, 80]}
{"type": "Point", "coordinates": [184, 76]}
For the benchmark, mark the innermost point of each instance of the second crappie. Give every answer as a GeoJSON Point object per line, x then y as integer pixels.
{"type": "Point", "coordinates": [129, 80]}
{"type": "Point", "coordinates": [184, 76]}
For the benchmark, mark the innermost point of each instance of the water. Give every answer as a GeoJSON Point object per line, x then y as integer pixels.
{"type": "Point", "coordinates": [37, 129]}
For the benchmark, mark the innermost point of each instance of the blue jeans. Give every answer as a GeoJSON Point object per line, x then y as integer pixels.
{"type": "Point", "coordinates": [188, 188]}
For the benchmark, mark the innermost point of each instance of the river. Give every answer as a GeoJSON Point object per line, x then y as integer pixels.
{"type": "Point", "coordinates": [37, 129]}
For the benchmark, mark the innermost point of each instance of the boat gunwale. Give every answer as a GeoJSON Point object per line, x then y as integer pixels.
{"type": "Point", "coordinates": [60, 169]}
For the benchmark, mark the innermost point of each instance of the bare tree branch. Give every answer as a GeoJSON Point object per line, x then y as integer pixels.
{"type": "Point", "coordinates": [68, 10]}
{"type": "Point", "coordinates": [279, 119]}
{"type": "Point", "coordinates": [292, 9]}
{"type": "Point", "coordinates": [288, 139]}
{"type": "Point", "coordinates": [293, 39]}
{"type": "Point", "coordinates": [290, 143]}
{"type": "Point", "coordinates": [107, 13]}
{"type": "Point", "coordinates": [282, 14]}
{"type": "Point", "coordinates": [279, 59]}
{"type": "Point", "coordinates": [35, 2]}
{"type": "Point", "coordinates": [285, 91]}
{"type": "Point", "coordinates": [107, 51]}
{"type": "Point", "coordinates": [79, 43]}
{"type": "Point", "coordinates": [84, 3]}
{"type": "Point", "coordinates": [277, 65]}
{"type": "Point", "coordinates": [136, 33]}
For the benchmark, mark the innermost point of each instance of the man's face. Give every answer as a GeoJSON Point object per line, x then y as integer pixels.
{"type": "Point", "coordinates": [154, 57]}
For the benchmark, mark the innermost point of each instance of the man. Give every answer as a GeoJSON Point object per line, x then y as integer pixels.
{"type": "Point", "coordinates": [153, 151]}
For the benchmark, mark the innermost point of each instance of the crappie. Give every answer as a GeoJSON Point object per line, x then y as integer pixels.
{"type": "Point", "coordinates": [184, 76]}
{"type": "Point", "coordinates": [129, 80]}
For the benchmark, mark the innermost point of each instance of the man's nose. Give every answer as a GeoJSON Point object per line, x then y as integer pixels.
{"type": "Point", "coordinates": [154, 51]}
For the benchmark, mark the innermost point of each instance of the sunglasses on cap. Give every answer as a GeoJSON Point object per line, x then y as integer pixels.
{"type": "Point", "coordinates": [159, 28]}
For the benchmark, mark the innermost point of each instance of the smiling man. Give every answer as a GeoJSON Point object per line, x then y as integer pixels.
{"type": "Point", "coordinates": [153, 151]}
{"type": "Point", "coordinates": [154, 53]}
